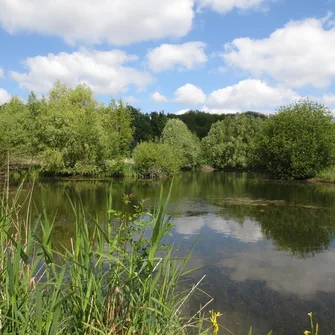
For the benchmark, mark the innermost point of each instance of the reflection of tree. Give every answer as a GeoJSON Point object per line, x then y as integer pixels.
{"type": "Point", "coordinates": [302, 231]}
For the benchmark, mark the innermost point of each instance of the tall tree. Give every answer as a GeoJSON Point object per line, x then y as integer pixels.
{"type": "Point", "coordinates": [185, 144]}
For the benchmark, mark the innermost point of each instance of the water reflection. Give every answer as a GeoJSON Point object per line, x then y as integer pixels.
{"type": "Point", "coordinates": [248, 231]}
{"type": "Point", "coordinates": [284, 273]}
{"type": "Point", "coordinates": [270, 244]}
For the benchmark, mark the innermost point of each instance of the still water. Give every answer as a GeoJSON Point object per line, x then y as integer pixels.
{"type": "Point", "coordinates": [268, 246]}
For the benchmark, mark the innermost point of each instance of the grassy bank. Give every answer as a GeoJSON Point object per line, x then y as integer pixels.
{"type": "Point", "coordinates": [326, 176]}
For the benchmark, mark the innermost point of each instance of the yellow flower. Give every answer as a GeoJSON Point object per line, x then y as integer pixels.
{"type": "Point", "coordinates": [214, 316]}
{"type": "Point", "coordinates": [306, 332]}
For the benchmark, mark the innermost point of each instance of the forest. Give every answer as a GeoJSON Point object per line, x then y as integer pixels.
{"type": "Point", "coordinates": [71, 133]}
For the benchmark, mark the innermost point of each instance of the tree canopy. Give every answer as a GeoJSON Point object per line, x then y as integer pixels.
{"type": "Point", "coordinates": [230, 143]}
{"type": "Point", "coordinates": [185, 144]}
{"type": "Point", "coordinates": [297, 142]}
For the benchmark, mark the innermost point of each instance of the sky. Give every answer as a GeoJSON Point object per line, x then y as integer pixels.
{"type": "Point", "coordinates": [219, 56]}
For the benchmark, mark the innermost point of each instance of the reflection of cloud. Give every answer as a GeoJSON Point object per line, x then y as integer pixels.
{"type": "Point", "coordinates": [284, 273]}
{"type": "Point", "coordinates": [248, 232]}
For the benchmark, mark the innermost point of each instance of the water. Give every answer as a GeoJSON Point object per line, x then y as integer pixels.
{"type": "Point", "coordinates": [268, 246]}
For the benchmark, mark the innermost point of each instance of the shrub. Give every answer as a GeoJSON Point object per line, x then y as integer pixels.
{"type": "Point", "coordinates": [327, 175]}
{"type": "Point", "coordinates": [155, 160]}
{"type": "Point", "coordinates": [230, 142]}
{"type": "Point", "coordinates": [298, 142]}
{"type": "Point", "coordinates": [185, 144]}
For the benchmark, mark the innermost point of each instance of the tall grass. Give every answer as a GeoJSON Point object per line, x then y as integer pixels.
{"type": "Point", "coordinates": [109, 281]}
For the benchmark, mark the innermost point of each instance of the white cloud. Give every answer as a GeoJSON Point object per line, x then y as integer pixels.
{"type": "Point", "coordinates": [1, 72]}
{"type": "Point", "coordinates": [329, 100]}
{"type": "Point", "coordinates": [4, 96]}
{"type": "Point", "coordinates": [103, 71]}
{"type": "Point", "coordinates": [117, 21]}
{"type": "Point", "coordinates": [187, 56]}
{"type": "Point", "coordinates": [299, 54]}
{"type": "Point", "coordinates": [131, 100]}
{"type": "Point", "coordinates": [189, 95]}
{"type": "Point", "coordinates": [220, 110]}
{"type": "Point", "coordinates": [249, 94]}
{"type": "Point", "coordinates": [159, 98]}
{"type": "Point", "coordinates": [182, 111]}
{"type": "Point", "coordinates": [225, 6]}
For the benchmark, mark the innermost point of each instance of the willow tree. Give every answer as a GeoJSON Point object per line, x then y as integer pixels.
{"type": "Point", "coordinates": [231, 142]}
{"type": "Point", "coordinates": [185, 144]}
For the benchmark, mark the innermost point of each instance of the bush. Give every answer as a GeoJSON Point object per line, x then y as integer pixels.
{"type": "Point", "coordinates": [230, 142]}
{"type": "Point", "coordinates": [52, 161]}
{"type": "Point", "coordinates": [185, 144]}
{"type": "Point", "coordinates": [327, 175]}
{"type": "Point", "coordinates": [298, 142]}
{"type": "Point", "coordinates": [155, 160]}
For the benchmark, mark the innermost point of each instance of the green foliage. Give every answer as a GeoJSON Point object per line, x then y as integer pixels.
{"type": "Point", "coordinates": [68, 133]}
{"type": "Point", "coordinates": [158, 121]}
{"type": "Point", "coordinates": [298, 142]}
{"type": "Point", "coordinates": [155, 160]}
{"type": "Point", "coordinates": [185, 145]}
{"type": "Point", "coordinates": [200, 123]}
{"type": "Point", "coordinates": [326, 175]}
{"type": "Point", "coordinates": [13, 127]}
{"type": "Point", "coordinates": [230, 142]}
{"type": "Point", "coordinates": [141, 124]}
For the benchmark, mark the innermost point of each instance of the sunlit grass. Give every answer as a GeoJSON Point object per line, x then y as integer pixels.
{"type": "Point", "coordinates": [327, 175]}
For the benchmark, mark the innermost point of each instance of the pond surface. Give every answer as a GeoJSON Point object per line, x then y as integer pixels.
{"type": "Point", "coordinates": [270, 244]}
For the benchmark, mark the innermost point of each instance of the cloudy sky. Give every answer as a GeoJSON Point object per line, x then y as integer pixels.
{"type": "Point", "coordinates": [214, 55]}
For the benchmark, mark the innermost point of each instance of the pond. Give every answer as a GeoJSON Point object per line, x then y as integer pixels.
{"type": "Point", "coordinates": [267, 247]}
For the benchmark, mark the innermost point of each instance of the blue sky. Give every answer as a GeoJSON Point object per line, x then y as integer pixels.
{"type": "Point", "coordinates": [220, 56]}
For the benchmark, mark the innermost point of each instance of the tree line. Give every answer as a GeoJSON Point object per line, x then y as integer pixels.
{"type": "Point", "coordinates": [70, 132]}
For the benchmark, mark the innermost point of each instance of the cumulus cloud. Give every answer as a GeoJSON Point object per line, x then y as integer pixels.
{"type": "Point", "coordinates": [182, 111]}
{"type": "Point", "coordinates": [159, 98]}
{"type": "Point", "coordinates": [131, 100]}
{"type": "Point", "coordinates": [117, 21]}
{"type": "Point", "coordinates": [299, 54]}
{"type": "Point", "coordinates": [4, 96]}
{"type": "Point", "coordinates": [225, 6]}
{"type": "Point", "coordinates": [104, 71]}
{"type": "Point", "coordinates": [189, 95]}
{"type": "Point", "coordinates": [329, 100]}
{"type": "Point", "coordinates": [187, 56]}
{"type": "Point", "coordinates": [249, 94]}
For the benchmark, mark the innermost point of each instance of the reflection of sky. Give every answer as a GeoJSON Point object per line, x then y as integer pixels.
{"type": "Point", "coordinates": [252, 282]}
{"type": "Point", "coordinates": [281, 272]}
{"type": "Point", "coordinates": [249, 231]}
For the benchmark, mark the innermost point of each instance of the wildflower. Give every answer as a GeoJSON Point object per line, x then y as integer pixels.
{"type": "Point", "coordinates": [213, 318]}
{"type": "Point", "coordinates": [310, 314]}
